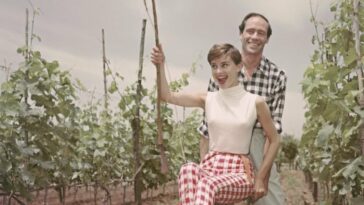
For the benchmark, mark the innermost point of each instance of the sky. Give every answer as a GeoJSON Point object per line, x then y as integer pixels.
{"type": "Point", "coordinates": [70, 33]}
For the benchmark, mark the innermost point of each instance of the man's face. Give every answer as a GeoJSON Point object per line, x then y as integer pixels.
{"type": "Point", "coordinates": [254, 37]}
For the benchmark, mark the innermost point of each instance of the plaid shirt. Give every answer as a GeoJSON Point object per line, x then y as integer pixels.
{"type": "Point", "coordinates": [267, 81]}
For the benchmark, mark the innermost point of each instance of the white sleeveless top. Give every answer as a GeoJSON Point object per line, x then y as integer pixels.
{"type": "Point", "coordinates": [231, 115]}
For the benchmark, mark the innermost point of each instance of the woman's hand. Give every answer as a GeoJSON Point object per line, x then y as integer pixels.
{"type": "Point", "coordinates": [157, 55]}
{"type": "Point", "coordinates": [259, 189]}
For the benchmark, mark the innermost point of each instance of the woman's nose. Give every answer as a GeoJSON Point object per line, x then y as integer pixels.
{"type": "Point", "coordinates": [218, 70]}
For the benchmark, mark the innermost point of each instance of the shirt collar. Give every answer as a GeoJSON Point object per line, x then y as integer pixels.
{"type": "Point", "coordinates": [264, 66]}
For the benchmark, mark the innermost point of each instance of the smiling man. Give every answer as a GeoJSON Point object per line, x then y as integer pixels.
{"type": "Point", "coordinates": [262, 77]}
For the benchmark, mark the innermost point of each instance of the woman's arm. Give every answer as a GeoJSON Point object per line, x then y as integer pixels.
{"type": "Point", "coordinates": [204, 147]}
{"type": "Point", "coordinates": [271, 133]}
{"type": "Point", "coordinates": [178, 98]}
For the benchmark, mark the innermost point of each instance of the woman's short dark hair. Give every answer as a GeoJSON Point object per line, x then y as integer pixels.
{"type": "Point", "coordinates": [218, 50]}
{"type": "Point", "coordinates": [248, 16]}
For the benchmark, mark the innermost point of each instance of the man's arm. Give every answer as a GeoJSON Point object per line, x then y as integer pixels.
{"type": "Point", "coordinates": [279, 97]}
{"type": "Point", "coordinates": [277, 111]}
{"type": "Point", "coordinates": [277, 106]}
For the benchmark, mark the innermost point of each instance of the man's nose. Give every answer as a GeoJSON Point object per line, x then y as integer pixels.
{"type": "Point", "coordinates": [255, 35]}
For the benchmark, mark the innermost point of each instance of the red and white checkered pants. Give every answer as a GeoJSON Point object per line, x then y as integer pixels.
{"type": "Point", "coordinates": [222, 178]}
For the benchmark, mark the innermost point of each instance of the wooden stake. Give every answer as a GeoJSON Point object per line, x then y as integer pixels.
{"type": "Point", "coordinates": [136, 125]}
{"type": "Point", "coordinates": [359, 68]}
{"type": "Point", "coordinates": [164, 163]}
{"type": "Point", "coordinates": [104, 69]}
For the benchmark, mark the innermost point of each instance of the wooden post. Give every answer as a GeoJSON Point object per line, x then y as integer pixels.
{"type": "Point", "coordinates": [135, 123]}
{"type": "Point", "coordinates": [26, 91]}
{"type": "Point", "coordinates": [45, 198]}
{"type": "Point", "coordinates": [104, 69]}
{"type": "Point", "coordinates": [164, 163]}
{"type": "Point", "coordinates": [359, 67]}
{"type": "Point", "coordinates": [27, 34]}
{"type": "Point", "coordinates": [315, 191]}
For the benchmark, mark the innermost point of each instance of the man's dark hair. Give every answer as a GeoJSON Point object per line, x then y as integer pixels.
{"type": "Point", "coordinates": [248, 16]}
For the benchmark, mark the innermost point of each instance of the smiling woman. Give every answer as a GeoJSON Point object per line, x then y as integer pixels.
{"type": "Point", "coordinates": [225, 175]}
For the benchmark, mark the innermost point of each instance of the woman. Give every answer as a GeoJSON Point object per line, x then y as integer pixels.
{"type": "Point", "coordinates": [225, 175]}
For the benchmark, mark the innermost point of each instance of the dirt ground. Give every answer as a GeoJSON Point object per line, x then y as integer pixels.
{"type": "Point", "coordinates": [295, 188]}
{"type": "Point", "coordinates": [293, 183]}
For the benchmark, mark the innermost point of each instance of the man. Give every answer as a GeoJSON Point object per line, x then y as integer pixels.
{"type": "Point", "coordinates": [262, 77]}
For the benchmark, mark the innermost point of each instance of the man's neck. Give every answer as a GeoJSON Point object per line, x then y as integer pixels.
{"type": "Point", "coordinates": [251, 62]}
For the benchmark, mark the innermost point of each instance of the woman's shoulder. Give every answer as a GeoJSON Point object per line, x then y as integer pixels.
{"type": "Point", "coordinates": [211, 93]}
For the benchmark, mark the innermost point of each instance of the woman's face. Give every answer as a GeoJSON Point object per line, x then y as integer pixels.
{"type": "Point", "coordinates": [225, 71]}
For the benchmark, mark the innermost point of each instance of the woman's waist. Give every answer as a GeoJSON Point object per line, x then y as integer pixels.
{"type": "Point", "coordinates": [226, 157]}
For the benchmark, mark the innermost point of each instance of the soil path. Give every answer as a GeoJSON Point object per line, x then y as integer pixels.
{"type": "Point", "coordinates": [293, 184]}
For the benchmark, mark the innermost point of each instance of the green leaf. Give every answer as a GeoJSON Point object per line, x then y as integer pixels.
{"type": "Point", "coordinates": [108, 72]}
{"type": "Point", "coordinates": [353, 167]}
{"type": "Point", "coordinates": [29, 151]}
{"type": "Point", "coordinates": [5, 166]}
{"type": "Point", "coordinates": [27, 177]}
{"type": "Point", "coordinates": [48, 165]}
{"type": "Point", "coordinates": [324, 134]}
{"type": "Point", "coordinates": [99, 153]}
{"type": "Point", "coordinates": [101, 143]}
{"type": "Point", "coordinates": [350, 56]}
{"type": "Point", "coordinates": [113, 87]}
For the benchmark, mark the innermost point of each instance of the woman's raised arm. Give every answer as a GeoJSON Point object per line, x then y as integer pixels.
{"type": "Point", "coordinates": [186, 99]}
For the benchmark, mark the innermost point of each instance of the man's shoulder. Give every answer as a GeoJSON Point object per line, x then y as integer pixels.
{"type": "Point", "coordinates": [212, 86]}
{"type": "Point", "coordinates": [273, 69]}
